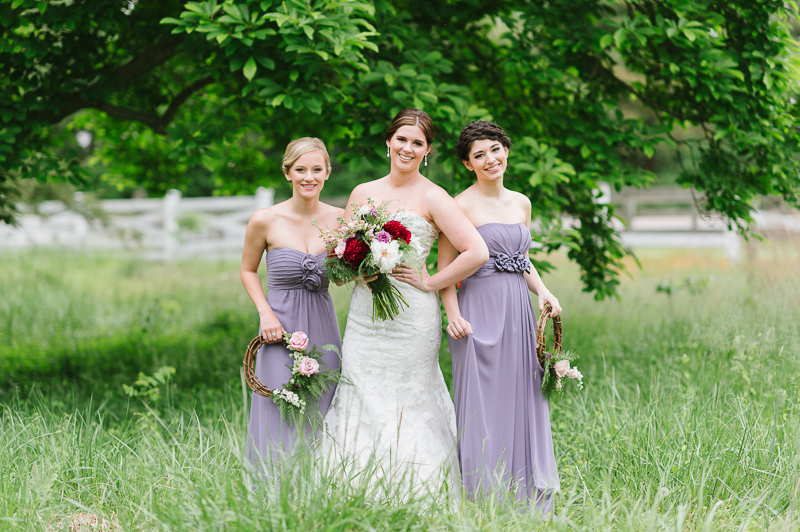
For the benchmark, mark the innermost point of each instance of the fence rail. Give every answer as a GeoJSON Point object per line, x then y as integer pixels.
{"type": "Point", "coordinates": [171, 227]}
{"type": "Point", "coordinates": [159, 228]}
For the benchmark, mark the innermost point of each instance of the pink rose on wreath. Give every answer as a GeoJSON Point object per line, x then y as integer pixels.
{"type": "Point", "coordinates": [298, 341]}
{"type": "Point", "coordinates": [308, 366]}
{"type": "Point", "coordinates": [561, 367]}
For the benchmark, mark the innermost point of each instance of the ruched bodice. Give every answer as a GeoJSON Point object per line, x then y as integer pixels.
{"type": "Point", "coordinates": [291, 269]}
{"type": "Point", "coordinates": [508, 249]}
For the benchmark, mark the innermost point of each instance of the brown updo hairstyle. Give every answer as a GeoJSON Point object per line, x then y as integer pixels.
{"type": "Point", "coordinates": [412, 117]}
{"type": "Point", "coordinates": [480, 130]}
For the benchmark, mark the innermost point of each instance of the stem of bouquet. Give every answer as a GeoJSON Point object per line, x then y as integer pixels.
{"type": "Point", "coordinates": [386, 299]}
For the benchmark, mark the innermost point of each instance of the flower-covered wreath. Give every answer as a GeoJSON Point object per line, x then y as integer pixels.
{"type": "Point", "coordinates": [555, 363]}
{"type": "Point", "coordinates": [308, 382]}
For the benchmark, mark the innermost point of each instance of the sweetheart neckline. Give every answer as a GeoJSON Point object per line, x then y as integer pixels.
{"type": "Point", "coordinates": [500, 223]}
{"type": "Point", "coordinates": [414, 214]}
{"type": "Point", "coordinates": [299, 251]}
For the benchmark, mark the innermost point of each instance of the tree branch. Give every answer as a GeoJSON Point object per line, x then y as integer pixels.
{"type": "Point", "coordinates": [182, 96]}
{"type": "Point", "coordinates": [157, 123]}
{"type": "Point", "coordinates": [151, 58]}
{"type": "Point", "coordinates": [155, 56]}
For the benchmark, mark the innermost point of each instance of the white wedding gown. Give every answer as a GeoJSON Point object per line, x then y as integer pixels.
{"type": "Point", "coordinates": [396, 409]}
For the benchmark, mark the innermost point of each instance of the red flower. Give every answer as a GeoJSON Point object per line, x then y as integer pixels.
{"type": "Point", "coordinates": [398, 231]}
{"type": "Point", "coordinates": [458, 284]}
{"type": "Point", "coordinates": [355, 251]}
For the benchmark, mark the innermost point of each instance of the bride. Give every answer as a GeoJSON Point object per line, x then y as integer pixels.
{"type": "Point", "coordinates": [396, 413]}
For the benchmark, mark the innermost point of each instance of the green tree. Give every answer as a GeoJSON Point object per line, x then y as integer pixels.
{"type": "Point", "coordinates": [588, 89]}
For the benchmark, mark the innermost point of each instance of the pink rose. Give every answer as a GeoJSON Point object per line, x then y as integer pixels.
{"type": "Point", "coordinates": [308, 366]}
{"type": "Point", "coordinates": [298, 341]}
{"type": "Point", "coordinates": [561, 367]}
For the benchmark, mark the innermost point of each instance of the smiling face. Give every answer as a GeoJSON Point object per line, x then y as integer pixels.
{"type": "Point", "coordinates": [407, 147]}
{"type": "Point", "coordinates": [488, 159]}
{"type": "Point", "coordinates": [308, 174]}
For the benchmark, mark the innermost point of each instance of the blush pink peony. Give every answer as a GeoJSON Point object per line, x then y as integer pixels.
{"type": "Point", "coordinates": [308, 366]}
{"type": "Point", "coordinates": [298, 341]}
{"type": "Point", "coordinates": [340, 247]}
{"type": "Point", "coordinates": [561, 367]}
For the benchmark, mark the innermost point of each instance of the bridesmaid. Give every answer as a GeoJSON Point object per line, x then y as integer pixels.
{"type": "Point", "coordinates": [298, 298]}
{"type": "Point", "coordinates": [503, 421]}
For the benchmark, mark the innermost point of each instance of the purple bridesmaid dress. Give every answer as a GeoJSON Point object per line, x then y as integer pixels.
{"type": "Point", "coordinates": [298, 294]}
{"type": "Point", "coordinates": [503, 422]}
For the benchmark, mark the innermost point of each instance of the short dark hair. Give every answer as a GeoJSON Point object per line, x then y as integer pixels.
{"type": "Point", "coordinates": [480, 130]}
{"type": "Point", "coordinates": [412, 117]}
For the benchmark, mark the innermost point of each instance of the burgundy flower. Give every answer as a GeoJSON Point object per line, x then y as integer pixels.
{"type": "Point", "coordinates": [355, 251]}
{"type": "Point", "coordinates": [398, 231]}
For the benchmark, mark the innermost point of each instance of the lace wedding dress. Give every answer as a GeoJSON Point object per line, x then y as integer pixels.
{"type": "Point", "coordinates": [395, 416]}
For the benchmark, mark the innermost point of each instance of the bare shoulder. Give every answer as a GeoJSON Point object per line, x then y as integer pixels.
{"type": "Point", "coordinates": [521, 199]}
{"type": "Point", "coordinates": [524, 204]}
{"type": "Point", "coordinates": [435, 196]}
{"type": "Point", "coordinates": [263, 217]}
{"type": "Point", "coordinates": [333, 210]}
{"type": "Point", "coordinates": [365, 190]}
{"type": "Point", "coordinates": [467, 198]}
{"type": "Point", "coordinates": [331, 213]}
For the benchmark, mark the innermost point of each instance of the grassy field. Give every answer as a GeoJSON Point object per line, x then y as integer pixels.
{"type": "Point", "coordinates": [689, 419]}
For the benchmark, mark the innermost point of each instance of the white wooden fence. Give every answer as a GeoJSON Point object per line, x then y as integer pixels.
{"type": "Point", "coordinates": [173, 227]}
{"type": "Point", "coordinates": [159, 228]}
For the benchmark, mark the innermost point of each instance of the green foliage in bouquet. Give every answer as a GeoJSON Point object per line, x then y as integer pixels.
{"type": "Point", "coordinates": [557, 368]}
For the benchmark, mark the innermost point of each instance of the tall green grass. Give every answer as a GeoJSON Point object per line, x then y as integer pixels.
{"type": "Point", "coordinates": [689, 419]}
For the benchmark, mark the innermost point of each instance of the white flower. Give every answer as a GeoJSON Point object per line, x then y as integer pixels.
{"type": "Point", "coordinates": [664, 492]}
{"type": "Point", "coordinates": [363, 210]}
{"type": "Point", "coordinates": [385, 255]}
{"type": "Point", "coordinates": [573, 373]}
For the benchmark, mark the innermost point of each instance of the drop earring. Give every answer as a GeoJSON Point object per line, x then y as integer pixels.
{"type": "Point", "coordinates": [426, 159]}
{"type": "Point", "coordinates": [387, 150]}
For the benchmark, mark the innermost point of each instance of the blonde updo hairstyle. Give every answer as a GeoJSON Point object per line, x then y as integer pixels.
{"type": "Point", "coordinates": [299, 147]}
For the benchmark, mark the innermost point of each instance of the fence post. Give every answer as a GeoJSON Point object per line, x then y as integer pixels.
{"type": "Point", "coordinates": [171, 207]}
{"type": "Point", "coordinates": [732, 245]}
{"type": "Point", "coordinates": [264, 197]}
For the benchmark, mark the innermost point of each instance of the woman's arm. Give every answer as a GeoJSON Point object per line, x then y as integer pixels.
{"type": "Point", "coordinates": [254, 245]}
{"type": "Point", "coordinates": [457, 326]}
{"type": "Point", "coordinates": [461, 234]}
{"type": "Point", "coordinates": [455, 225]}
{"type": "Point", "coordinates": [533, 280]}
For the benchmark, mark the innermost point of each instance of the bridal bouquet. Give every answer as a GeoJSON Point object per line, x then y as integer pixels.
{"type": "Point", "coordinates": [371, 244]}
{"type": "Point", "coordinates": [556, 368]}
{"type": "Point", "coordinates": [308, 382]}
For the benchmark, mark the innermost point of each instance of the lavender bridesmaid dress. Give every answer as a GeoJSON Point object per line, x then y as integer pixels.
{"type": "Point", "coordinates": [503, 422]}
{"type": "Point", "coordinates": [298, 294]}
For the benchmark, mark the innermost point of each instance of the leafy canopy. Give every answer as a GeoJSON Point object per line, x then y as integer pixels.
{"type": "Point", "coordinates": [206, 94]}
